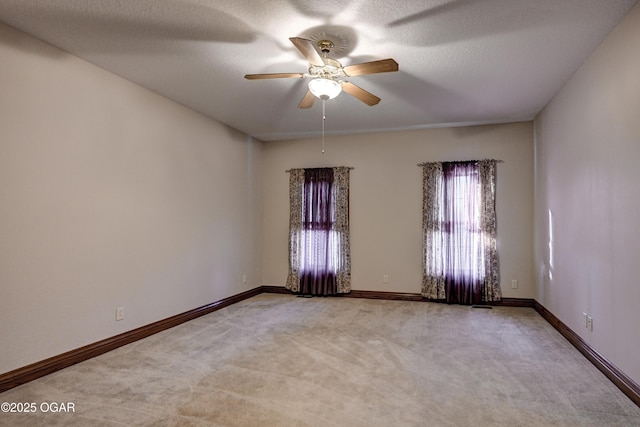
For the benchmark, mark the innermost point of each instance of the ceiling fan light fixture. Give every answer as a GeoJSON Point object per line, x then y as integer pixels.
{"type": "Point", "coordinates": [325, 88]}
{"type": "Point", "coordinates": [327, 77]}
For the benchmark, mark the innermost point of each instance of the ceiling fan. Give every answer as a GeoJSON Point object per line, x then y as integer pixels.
{"type": "Point", "coordinates": [327, 75]}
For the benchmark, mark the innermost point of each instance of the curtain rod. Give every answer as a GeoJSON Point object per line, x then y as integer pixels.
{"type": "Point", "coordinates": [348, 167]}
{"type": "Point", "coordinates": [461, 161]}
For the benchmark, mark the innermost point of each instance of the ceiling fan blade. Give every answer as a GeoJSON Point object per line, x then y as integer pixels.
{"type": "Point", "coordinates": [356, 91]}
{"type": "Point", "coordinates": [381, 66]}
{"type": "Point", "coordinates": [308, 50]}
{"type": "Point", "coordinates": [307, 101]}
{"type": "Point", "coordinates": [274, 76]}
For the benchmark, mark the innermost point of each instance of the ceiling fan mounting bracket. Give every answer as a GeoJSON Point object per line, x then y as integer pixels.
{"type": "Point", "coordinates": [325, 46]}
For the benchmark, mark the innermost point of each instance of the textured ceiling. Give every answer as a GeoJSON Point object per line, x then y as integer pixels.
{"type": "Point", "coordinates": [461, 61]}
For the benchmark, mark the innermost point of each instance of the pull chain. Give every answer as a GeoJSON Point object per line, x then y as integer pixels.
{"type": "Point", "coordinates": [323, 119]}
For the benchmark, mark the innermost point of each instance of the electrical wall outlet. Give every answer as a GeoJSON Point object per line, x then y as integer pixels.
{"type": "Point", "coordinates": [588, 321]}
{"type": "Point", "coordinates": [244, 279]}
{"type": "Point", "coordinates": [385, 278]}
{"type": "Point", "coordinates": [120, 313]}
{"type": "Point", "coordinates": [514, 284]}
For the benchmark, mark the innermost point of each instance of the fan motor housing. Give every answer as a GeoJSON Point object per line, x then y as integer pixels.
{"type": "Point", "coordinates": [331, 70]}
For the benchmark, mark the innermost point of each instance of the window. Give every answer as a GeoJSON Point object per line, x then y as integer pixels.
{"type": "Point", "coordinates": [460, 259]}
{"type": "Point", "coordinates": [464, 258]}
{"type": "Point", "coordinates": [319, 261]}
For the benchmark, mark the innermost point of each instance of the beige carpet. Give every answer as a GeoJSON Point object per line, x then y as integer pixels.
{"type": "Point", "coordinates": [278, 360]}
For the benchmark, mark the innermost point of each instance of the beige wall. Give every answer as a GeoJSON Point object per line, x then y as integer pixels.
{"type": "Point", "coordinates": [386, 200]}
{"type": "Point", "coordinates": [587, 174]}
{"type": "Point", "coordinates": [111, 196]}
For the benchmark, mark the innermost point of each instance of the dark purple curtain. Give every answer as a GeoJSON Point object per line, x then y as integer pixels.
{"type": "Point", "coordinates": [463, 257]}
{"type": "Point", "coordinates": [318, 269]}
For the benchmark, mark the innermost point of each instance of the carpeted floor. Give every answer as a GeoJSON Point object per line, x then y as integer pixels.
{"type": "Point", "coordinates": [278, 360]}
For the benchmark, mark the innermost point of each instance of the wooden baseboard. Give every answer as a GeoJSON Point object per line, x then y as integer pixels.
{"type": "Point", "coordinates": [515, 302]}
{"type": "Point", "coordinates": [45, 367]}
{"type": "Point", "coordinates": [405, 296]}
{"type": "Point", "coordinates": [275, 290]}
{"type": "Point", "coordinates": [619, 378]}
{"type": "Point", "coordinates": [397, 296]}
{"type": "Point", "coordinates": [355, 294]}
